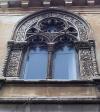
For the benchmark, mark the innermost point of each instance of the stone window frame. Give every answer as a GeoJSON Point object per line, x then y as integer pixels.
{"type": "Point", "coordinates": [19, 43]}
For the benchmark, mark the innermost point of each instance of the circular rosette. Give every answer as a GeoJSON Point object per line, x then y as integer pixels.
{"type": "Point", "coordinates": [52, 25]}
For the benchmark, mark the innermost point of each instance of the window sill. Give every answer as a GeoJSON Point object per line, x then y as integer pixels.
{"type": "Point", "coordinates": [50, 82]}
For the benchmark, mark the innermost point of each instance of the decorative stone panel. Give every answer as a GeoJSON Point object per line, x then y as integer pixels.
{"type": "Point", "coordinates": [14, 62]}
{"type": "Point", "coordinates": [86, 64]}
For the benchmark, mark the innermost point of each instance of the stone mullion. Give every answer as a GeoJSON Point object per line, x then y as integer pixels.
{"type": "Point", "coordinates": [50, 61]}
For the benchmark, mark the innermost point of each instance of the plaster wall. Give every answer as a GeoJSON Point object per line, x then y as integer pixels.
{"type": "Point", "coordinates": [7, 24]}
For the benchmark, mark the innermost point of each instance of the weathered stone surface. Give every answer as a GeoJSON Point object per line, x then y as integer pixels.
{"type": "Point", "coordinates": [21, 90]}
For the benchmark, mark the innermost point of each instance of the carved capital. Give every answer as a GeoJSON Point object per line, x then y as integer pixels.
{"type": "Point", "coordinates": [51, 47]}
{"type": "Point", "coordinates": [17, 45]}
{"type": "Point", "coordinates": [82, 45]}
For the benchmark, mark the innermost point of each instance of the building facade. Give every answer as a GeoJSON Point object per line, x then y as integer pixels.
{"type": "Point", "coordinates": [49, 56]}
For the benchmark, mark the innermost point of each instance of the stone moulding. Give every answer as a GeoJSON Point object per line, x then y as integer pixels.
{"type": "Point", "coordinates": [80, 39]}
{"type": "Point", "coordinates": [52, 100]}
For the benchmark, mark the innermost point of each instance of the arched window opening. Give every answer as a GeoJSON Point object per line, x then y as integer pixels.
{"type": "Point", "coordinates": [35, 62]}
{"type": "Point", "coordinates": [65, 63]}
{"type": "Point", "coordinates": [62, 64]}
{"type": "Point", "coordinates": [52, 26]}
{"type": "Point", "coordinates": [60, 60]}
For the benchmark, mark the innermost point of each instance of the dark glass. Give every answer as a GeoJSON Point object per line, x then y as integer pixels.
{"type": "Point", "coordinates": [36, 64]}
{"type": "Point", "coordinates": [64, 65]}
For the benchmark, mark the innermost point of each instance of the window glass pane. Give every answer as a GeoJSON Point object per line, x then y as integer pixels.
{"type": "Point", "coordinates": [36, 64]}
{"type": "Point", "coordinates": [65, 64]}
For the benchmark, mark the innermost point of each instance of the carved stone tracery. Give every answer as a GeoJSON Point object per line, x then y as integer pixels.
{"type": "Point", "coordinates": [68, 18]}
{"type": "Point", "coordinates": [74, 30]}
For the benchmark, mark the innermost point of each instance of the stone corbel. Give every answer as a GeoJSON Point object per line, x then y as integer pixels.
{"type": "Point", "coordinates": [17, 45]}
{"type": "Point", "coordinates": [82, 45]}
{"type": "Point", "coordinates": [24, 3]}
{"type": "Point", "coordinates": [90, 2]}
{"type": "Point", "coordinates": [68, 2]}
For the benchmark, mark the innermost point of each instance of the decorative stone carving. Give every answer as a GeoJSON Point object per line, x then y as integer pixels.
{"type": "Point", "coordinates": [86, 64]}
{"type": "Point", "coordinates": [74, 30]}
{"type": "Point", "coordinates": [14, 63]}
{"type": "Point", "coordinates": [93, 54]}
{"type": "Point", "coordinates": [67, 17]}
